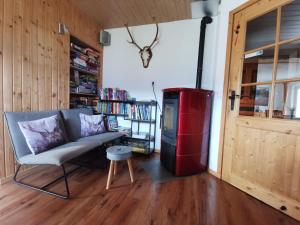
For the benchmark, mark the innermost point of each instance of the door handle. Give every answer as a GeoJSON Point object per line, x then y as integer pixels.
{"type": "Point", "coordinates": [232, 99]}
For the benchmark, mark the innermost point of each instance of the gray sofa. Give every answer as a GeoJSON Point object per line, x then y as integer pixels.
{"type": "Point", "coordinates": [57, 156]}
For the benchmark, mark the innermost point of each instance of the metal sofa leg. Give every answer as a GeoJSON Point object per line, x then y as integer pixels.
{"type": "Point", "coordinates": [66, 181]}
{"type": "Point", "coordinates": [43, 188]}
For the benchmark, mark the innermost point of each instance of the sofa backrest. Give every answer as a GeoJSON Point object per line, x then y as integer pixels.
{"type": "Point", "coordinates": [18, 141]}
{"type": "Point", "coordinates": [72, 121]}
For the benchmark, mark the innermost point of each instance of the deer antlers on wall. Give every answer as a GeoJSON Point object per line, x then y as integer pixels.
{"type": "Point", "coordinates": [146, 51]}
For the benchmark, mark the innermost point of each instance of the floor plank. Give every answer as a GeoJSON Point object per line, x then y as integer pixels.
{"type": "Point", "coordinates": [199, 199]}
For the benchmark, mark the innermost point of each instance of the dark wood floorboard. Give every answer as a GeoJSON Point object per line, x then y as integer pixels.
{"type": "Point", "coordinates": [200, 200]}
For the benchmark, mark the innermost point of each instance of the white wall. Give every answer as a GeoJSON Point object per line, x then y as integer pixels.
{"type": "Point", "coordinates": [174, 63]}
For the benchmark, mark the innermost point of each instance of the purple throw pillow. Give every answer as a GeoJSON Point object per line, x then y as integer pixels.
{"type": "Point", "coordinates": [43, 134]}
{"type": "Point", "coordinates": [91, 124]}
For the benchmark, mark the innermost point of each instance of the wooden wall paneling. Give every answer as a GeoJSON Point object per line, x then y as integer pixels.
{"type": "Point", "coordinates": [55, 55]}
{"type": "Point", "coordinates": [8, 79]}
{"type": "Point", "coordinates": [60, 57]}
{"type": "Point", "coordinates": [66, 72]}
{"type": "Point", "coordinates": [73, 21]}
{"type": "Point", "coordinates": [17, 58]}
{"type": "Point", "coordinates": [60, 78]}
{"type": "Point", "coordinates": [48, 53]}
{"type": "Point", "coordinates": [41, 54]}
{"type": "Point", "coordinates": [26, 61]}
{"type": "Point", "coordinates": [17, 55]}
{"type": "Point", "coordinates": [34, 56]}
{"type": "Point", "coordinates": [26, 75]}
{"type": "Point", "coordinates": [64, 62]}
{"type": "Point", "coordinates": [2, 155]}
{"type": "Point", "coordinates": [34, 59]}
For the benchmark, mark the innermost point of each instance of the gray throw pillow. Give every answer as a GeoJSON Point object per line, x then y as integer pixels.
{"type": "Point", "coordinates": [43, 134]}
{"type": "Point", "coordinates": [91, 124]}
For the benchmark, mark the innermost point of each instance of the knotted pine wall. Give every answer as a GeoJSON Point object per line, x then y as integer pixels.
{"type": "Point", "coordinates": [34, 59]}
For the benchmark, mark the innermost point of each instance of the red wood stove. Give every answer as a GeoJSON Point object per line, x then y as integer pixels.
{"type": "Point", "coordinates": [185, 130]}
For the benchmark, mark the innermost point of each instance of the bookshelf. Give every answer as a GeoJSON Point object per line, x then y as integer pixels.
{"type": "Point", "coordinates": [84, 74]}
{"type": "Point", "coordinates": [137, 113]}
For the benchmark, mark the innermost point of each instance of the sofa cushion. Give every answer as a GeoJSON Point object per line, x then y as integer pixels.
{"type": "Point", "coordinates": [91, 125]}
{"type": "Point", "coordinates": [58, 155]}
{"type": "Point", "coordinates": [100, 139]}
{"type": "Point", "coordinates": [64, 153]}
{"type": "Point", "coordinates": [43, 134]}
{"type": "Point", "coordinates": [72, 121]}
{"type": "Point", "coordinates": [19, 144]}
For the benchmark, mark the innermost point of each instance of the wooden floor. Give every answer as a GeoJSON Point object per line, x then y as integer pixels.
{"type": "Point", "coordinates": [199, 199]}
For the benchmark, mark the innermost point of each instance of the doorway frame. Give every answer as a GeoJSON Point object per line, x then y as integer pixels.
{"type": "Point", "coordinates": [245, 5]}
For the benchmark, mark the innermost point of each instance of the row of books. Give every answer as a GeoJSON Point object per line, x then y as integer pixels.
{"type": "Point", "coordinates": [136, 112]}
{"type": "Point", "coordinates": [84, 58]}
{"type": "Point", "coordinates": [83, 102]}
{"type": "Point", "coordinates": [90, 53]}
{"type": "Point", "coordinates": [140, 112]}
{"type": "Point", "coordinates": [113, 108]}
{"type": "Point", "coordinates": [113, 94]}
{"type": "Point", "coordinates": [140, 147]}
{"type": "Point", "coordinates": [82, 83]}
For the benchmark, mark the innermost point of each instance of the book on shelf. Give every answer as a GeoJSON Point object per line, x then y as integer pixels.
{"type": "Point", "coordinates": [113, 108]}
{"type": "Point", "coordinates": [135, 112]}
{"type": "Point", "coordinates": [140, 147]}
{"type": "Point", "coordinates": [141, 112]}
{"type": "Point", "coordinates": [82, 83]}
{"type": "Point", "coordinates": [113, 94]}
{"type": "Point", "coordinates": [76, 77]}
{"type": "Point", "coordinates": [84, 66]}
{"type": "Point", "coordinates": [124, 130]}
{"type": "Point", "coordinates": [142, 135]}
{"type": "Point", "coordinates": [87, 51]}
{"type": "Point", "coordinates": [83, 102]}
{"type": "Point", "coordinates": [85, 58]}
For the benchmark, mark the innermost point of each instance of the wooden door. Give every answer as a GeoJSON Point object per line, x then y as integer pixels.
{"type": "Point", "coordinates": [262, 126]}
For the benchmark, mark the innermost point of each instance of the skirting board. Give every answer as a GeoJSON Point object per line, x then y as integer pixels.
{"type": "Point", "coordinates": [216, 174]}
{"type": "Point", "coordinates": [9, 178]}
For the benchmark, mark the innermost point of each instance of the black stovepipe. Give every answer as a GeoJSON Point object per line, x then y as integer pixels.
{"type": "Point", "coordinates": [205, 20]}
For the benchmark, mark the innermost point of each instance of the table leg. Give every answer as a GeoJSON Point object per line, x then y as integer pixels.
{"type": "Point", "coordinates": [130, 170]}
{"type": "Point", "coordinates": [110, 173]}
{"type": "Point", "coordinates": [115, 168]}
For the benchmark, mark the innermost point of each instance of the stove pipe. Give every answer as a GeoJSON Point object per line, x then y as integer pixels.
{"type": "Point", "coordinates": [205, 20]}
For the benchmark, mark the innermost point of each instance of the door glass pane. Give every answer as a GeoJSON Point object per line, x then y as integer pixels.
{"type": "Point", "coordinates": [287, 100]}
{"type": "Point", "coordinates": [254, 100]}
{"type": "Point", "coordinates": [289, 61]}
{"type": "Point", "coordinates": [258, 66]}
{"type": "Point", "coordinates": [261, 31]}
{"type": "Point", "coordinates": [290, 21]}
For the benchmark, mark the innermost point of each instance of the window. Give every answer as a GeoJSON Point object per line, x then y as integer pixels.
{"type": "Point", "coordinates": [270, 84]}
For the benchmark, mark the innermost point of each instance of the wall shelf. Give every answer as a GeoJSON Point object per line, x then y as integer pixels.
{"type": "Point", "coordinates": [83, 94]}
{"type": "Point", "coordinates": [83, 81]}
{"type": "Point", "coordinates": [82, 70]}
{"type": "Point", "coordinates": [150, 112]}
